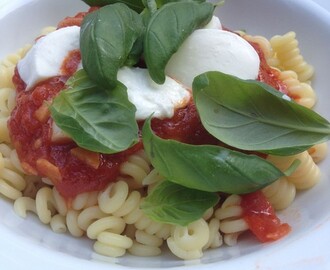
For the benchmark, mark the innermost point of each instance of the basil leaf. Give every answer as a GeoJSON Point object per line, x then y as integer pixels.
{"type": "Point", "coordinates": [248, 115]}
{"type": "Point", "coordinates": [97, 119]}
{"type": "Point", "coordinates": [207, 167]}
{"type": "Point", "coordinates": [133, 4]}
{"type": "Point", "coordinates": [166, 31]}
{"type": "Point", "coordinates": [110, 38]}
{"type": "Point", "coordinates": [161, 3]}
{"type": "Point", "coordinates": [174, 204]}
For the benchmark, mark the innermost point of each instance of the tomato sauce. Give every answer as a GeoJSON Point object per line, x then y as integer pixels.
{"type": "Point", "coordinates": [30, 127]}
{"type": "Point", "coordinates": [261, 218]}
{"type": "Point", "coordinates": [75, 20]}
{"type": "Point", "coordinates": [268, 74]}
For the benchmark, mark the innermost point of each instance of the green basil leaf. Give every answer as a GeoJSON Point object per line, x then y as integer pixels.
{"type": "Point", "coordinates": [174, 204]}
{"type": "Point", "coordinates": [110, 38]}
{"type": "Point", "coordinates": [166, 31]}
{"type": "Point", "coordinates": [133, 4]}
{"type": "Point", "coordinates": [97, 119]}
{"type": "Point", "coordinates": [248, 115]}
{"type": "Point", "coordinates": [207, 167]}
{"type": "Point", "coordinates": [161, 3]}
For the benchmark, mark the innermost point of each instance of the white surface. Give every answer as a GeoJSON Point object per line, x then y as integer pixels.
{"type": "Point", "coordinates": [26, 244]}
{"type": "Point", "coordinates": [323, 3]}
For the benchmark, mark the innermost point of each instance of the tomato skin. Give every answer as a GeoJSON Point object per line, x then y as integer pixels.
{"type": "Point", "coordinates": [261, 218]}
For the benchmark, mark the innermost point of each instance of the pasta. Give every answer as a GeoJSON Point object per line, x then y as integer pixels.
{"type": "Point", "coordinates": [281, 193]}
{"type": "Point", "coordinates": [287, 51]}
{"type": "Point", "coordinates": [112, 216]}
{"type": "Point", "coordinates": [305, 176]}
{"type": "Point", "coordinates": [188, 242]}
{"type": "Point", "coordinates": [301, 92]}
{"type": "Point", "coordinates": [232, 223]}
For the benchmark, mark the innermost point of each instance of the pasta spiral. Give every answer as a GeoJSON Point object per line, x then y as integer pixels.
{"type": "Point", "coordinates": [305, 176]}
{"type": "Point", "coordinates": [7, 67]}
{"type": "Point", "coordinates": [301, 92]}
{"type": "Point", "coordinates": [137, 167]}
{"type": "Point", "coordinates": [12, 182]}
{"type": "Point", "coordinates": [287, 51]}
{"type": "Point", "coordinates": [118, 201]}
{"type": "Point", "coordinates": [108, 231]}
{"type": "Point", "coordinates": [188, 242]}
{"type": "Point", "coordinates": [280, 193]}
{"type": "Point", "coordinates": [318, 152]}
{"type": "Point", "coordinates": [231, 222]}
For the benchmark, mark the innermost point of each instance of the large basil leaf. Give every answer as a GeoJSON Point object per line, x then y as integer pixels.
{"type": "Point", "coordinates": [178, 205]}
{"type": "Point", "coordinates": [161, 3]}
{"type": "Point", "coordinates": [96, 119]}
{"type": "Point", "coordinates": [166, 31]}
{"type": "Point", "coordinates": [133, 4]}
{"type": "Point", "coordinates": [207, 167]}
{"type": "Point", "coordinates": [248, 115]}
{"type": "Point", "coordinates": [110, 38]}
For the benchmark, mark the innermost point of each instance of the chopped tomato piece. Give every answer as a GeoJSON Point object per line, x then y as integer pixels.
{"type": "Point", "coordinates": [261, 218]}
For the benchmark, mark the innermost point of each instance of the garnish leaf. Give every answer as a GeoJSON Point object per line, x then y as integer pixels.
{"type": "Point", "coordinates": [97, 119]}
{"type": "Point", "coordinates": [167, 29]}
{"type": "Point", "coordinates": [249, 115]}
{"type": "Point", "coordinates": [207, 167]}
{"type": "Point", "coordinates": [110, 38]}
{"type": "Point", "coordinates": [175, 204]}
{"type": "Point", "coordinates": [133, 4]}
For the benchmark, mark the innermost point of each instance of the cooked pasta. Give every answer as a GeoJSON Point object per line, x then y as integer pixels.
{"type": "Point", "coordinates": [281, 193]}
{"type": "Point", "coordinates": [215, 238]}
{"type": "Point", "coordinates": [146, 244]}
{"type": "Point", "coordinates": [305, 176]}
{"type": "Point", "coordinates": [232, 223]}
{"type": "Point", "coordinates": [301, 92]}
{"type": "Point", "coordinates": [318, 152]}
{"type": "Point", "coordinates": [58, 224]}
{"type": "Point", "coordinates": [12, 181]}
{"type": "Point", "coordinates": [7, 67]}
{"type": "Point", "coordinates": [188, 242]}
{"type": "Point", "coordinates": [137, 167]}
{"type": "Point", "coordinates": [84, 200]}
{"type": "Point", "coordinates": [108, 231]}
{"type": "Point", "coordinates": [288, 53]}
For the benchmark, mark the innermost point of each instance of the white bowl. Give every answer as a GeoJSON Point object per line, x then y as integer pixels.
{"type": "Point", "coordinates": [26, 242]}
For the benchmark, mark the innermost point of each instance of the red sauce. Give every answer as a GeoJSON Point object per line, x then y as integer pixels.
{"type": "Point", "coordinates": [30, 128]}
{"type": "Point", "coordinates": [71, 63]}
{"type": "Point", "coordinates": [75, 20]}
{"type": "Point", "coordinates": [268, 74]}
{"type": "Point", "coordinates": [261, 218]}
{"type": "Point", "coordinates": [185, 126]}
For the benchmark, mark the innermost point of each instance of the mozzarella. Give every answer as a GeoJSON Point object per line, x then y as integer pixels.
{"type": "Point", "coordinates": [150, 97]}
{"type": "Point", "coordinates": [213, 50]}
{"type": "Point", "coordinates": [45, 58]}
{"type": "Point", "coordinates": [214, 23]}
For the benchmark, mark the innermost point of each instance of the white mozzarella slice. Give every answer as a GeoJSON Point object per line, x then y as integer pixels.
{"type": "Point", "coordinates": [150, 97]}
{"type": "Point", "coordinates": [213, 50]}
